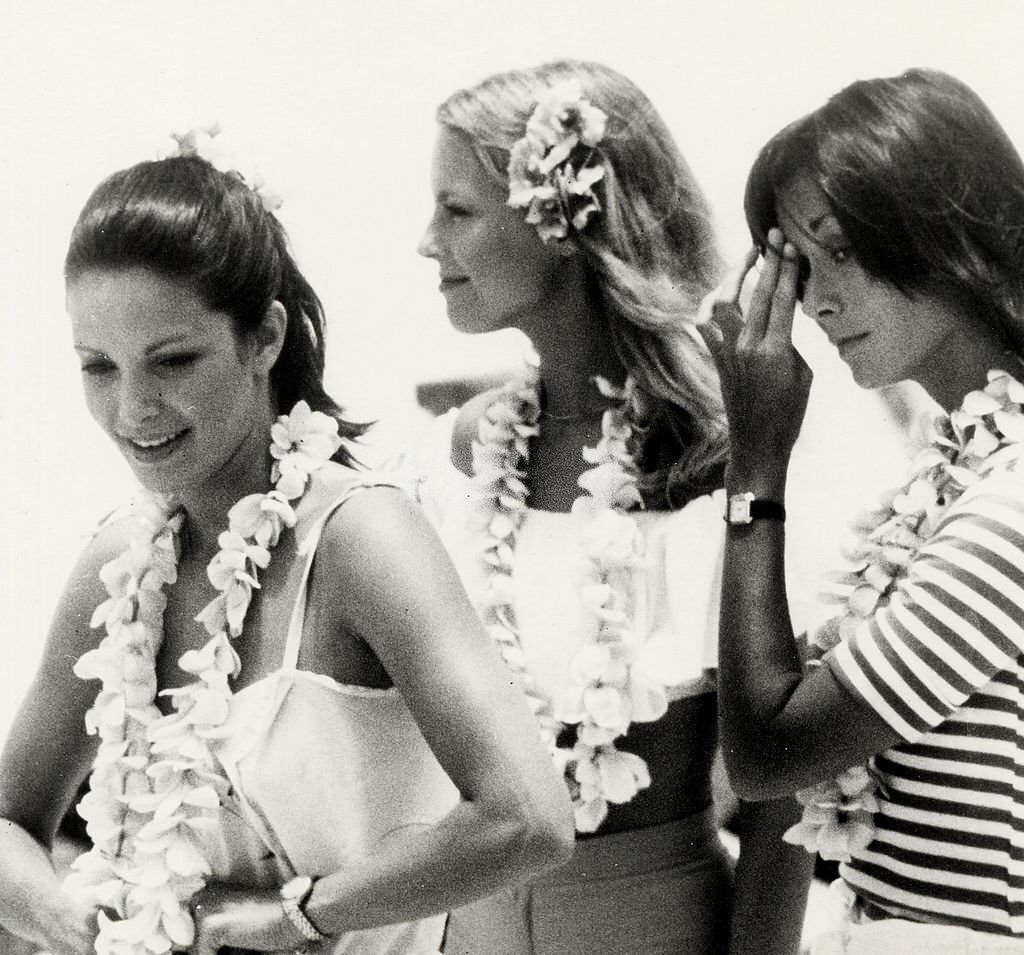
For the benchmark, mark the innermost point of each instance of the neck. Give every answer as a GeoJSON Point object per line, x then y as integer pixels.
{"type": "Point", "coordinates": [961, 365]}
{"type": "Point", "coordinates": [246, 472]}
{"type": "Point", "coordinates": [574, 343]}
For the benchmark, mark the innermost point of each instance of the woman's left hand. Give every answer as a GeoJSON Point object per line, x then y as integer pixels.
{"type": "Point", "coordinates": [765, 380]}
{"type": "Point", "coordinates": [233, 917]}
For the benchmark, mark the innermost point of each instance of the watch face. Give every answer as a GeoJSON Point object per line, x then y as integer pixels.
{"type": "Point", "coordinates": [297, 888]}
{"type": "Point", "coordinates": [739, 509]}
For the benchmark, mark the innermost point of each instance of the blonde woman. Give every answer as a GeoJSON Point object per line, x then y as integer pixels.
{"type": "Point", "coordinates": [575, 496]}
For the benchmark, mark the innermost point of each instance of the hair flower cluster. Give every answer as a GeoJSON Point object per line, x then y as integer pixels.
{"type": "Point", "coordinates": [206, 143]}
{"type": "Point", "coordinates": [553, 169]}
{"type": "Point", "coordinates": [989, 424]}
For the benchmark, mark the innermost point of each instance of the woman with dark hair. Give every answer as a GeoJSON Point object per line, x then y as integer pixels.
{"type": "Point", "coordinates": [329, 751]}
{"type": "Point", "coordinates": [894, 215]}
{"type": "Point", "coordinates": [573, 496]}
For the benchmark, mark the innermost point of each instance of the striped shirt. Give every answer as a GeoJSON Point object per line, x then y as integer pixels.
{"type": "Point", "coordinates": [943, 664]}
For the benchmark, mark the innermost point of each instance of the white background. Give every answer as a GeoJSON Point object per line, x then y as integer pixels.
{"type": "Point", "coordinates": [335, 101]}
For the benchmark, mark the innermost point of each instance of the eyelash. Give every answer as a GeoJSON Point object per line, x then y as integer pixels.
{"type": "Point", "coordinates": [97, 368]}
{"type": "Point", "coordinates": [176, 361]}
{"type": "Point", "coordinates": [838, 257]}
{"type": "Point", "coordinates": [169, 362]}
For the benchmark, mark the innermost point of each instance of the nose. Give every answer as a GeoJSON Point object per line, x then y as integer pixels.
{"type": "Point", "coordinates": [138, 401]}
{"type": "Point", "coordinates": [427, 246]}
{"type": "Point", "coordinates": [821, 304]}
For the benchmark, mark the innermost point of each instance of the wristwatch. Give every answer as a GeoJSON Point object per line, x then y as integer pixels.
{"type": "Point", "coordinates": [294, 895]}
{"type": "Point", "coordinates": [745, 508]}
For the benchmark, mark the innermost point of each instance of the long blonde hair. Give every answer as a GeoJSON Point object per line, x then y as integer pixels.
{"type": "Point", "coordinates": [652, 253]}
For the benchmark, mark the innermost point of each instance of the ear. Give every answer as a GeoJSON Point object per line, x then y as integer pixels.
{"type": "Point", "coordinates": [269, 338]}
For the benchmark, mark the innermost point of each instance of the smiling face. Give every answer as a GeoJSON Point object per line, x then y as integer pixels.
{"type": "Point", "coordinates": [883, 334]}
{"type": "Point", "coordinates": [182, 396]}
{"type": "Point", "coordinates": [495, 271]}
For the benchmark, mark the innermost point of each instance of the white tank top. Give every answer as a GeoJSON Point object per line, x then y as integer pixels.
{"type": "Point", "coordinates": [321, 774]}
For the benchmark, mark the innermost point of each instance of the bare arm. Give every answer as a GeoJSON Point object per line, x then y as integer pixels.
{"type": "Point", "coordinates": [45, 759]}
{"type": "Point", "coordinates": [404, 598]}
{"type": "Point", "coordinates": [513, 818]}
{"type": "Point", "coordinates": [772, 881]}
{"type": "Point", "coordinates": [781, 728]}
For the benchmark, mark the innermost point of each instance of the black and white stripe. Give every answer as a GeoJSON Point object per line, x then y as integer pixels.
{"type": "Point", "coordinates": [943, 664]}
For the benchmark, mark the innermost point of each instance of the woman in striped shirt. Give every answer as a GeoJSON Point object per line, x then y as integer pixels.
{"type": "Point", "coordinates": [894, 215]}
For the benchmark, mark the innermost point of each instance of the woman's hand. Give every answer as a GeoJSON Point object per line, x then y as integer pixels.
{"type": "Point", "coordinates": [765, 381]}
{"type": "Point", "coordinates": [228, 916]}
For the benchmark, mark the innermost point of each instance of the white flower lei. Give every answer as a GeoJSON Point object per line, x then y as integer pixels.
{"type": "Point", "coordinates": [552, 170]}
{"type": "Point", "coordinates": [155, 784]}
{"type": "Point", "coordinates": [838, 814]}
{"type": "Point", "coordinates": [611, 681]}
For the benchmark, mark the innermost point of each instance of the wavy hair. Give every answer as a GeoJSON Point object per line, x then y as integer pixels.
{"type": "Point", "coordinates": [186, 220]}
{"type": "Point", "coordinates": [652, 253]}
{"type": "Point", "coordinates": [924, 182]}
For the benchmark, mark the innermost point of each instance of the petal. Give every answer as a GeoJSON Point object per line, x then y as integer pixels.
{"type": "Point", "coordinates": [606, 707]}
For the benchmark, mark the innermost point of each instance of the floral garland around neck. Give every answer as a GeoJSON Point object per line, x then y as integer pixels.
{"type": "Point", "coordinates": [838, 813]}
{"type": "Point", "coordinates": [155, 785]}
{"type": "Point", "coordinates": [612, 679]}
{"type": "Point", "coordinates": [552, 170]}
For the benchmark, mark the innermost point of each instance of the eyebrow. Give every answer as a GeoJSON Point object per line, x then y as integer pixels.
{"type": "Point", "coordinates": [171, 340]}
{"type": "Point", "coordinates": [811, 233]}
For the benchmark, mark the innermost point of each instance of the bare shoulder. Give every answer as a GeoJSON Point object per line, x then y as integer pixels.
{"type": "Point", "coordinates": [466, 426]}
{"type": "Point", "coordinates": [374, 521]}
{"type": "Point", "coordinates": [84, 588]}
{"type": "Point", "coordinates": [380, 551]}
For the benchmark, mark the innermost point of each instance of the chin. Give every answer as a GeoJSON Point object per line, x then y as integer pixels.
{"type": "Point", "coordinates": [472, 323]}
{"type": "Point", "coordinates": [866, 377]}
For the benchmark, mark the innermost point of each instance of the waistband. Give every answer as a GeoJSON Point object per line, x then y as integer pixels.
{"type": "Point", "coordinates": [682, 841]}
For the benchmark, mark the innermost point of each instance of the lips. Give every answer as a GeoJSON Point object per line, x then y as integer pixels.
{"type": "Point", "coordinates": [845, 344]}
{"type": "Point", "coordinates": [153, 448]}
{"type": "Point", "coordinates": [451, 281]}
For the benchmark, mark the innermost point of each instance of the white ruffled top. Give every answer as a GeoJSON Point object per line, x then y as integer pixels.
{"type": "Point", "coordinates": [674, 597]}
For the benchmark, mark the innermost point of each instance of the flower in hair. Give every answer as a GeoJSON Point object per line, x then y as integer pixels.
{"type": "Point", "coordinates": [553, 169]}
{"type": "Point", "coordinates": [205, 142]}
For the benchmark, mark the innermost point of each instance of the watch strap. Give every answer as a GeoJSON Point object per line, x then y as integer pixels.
{"type": "Point", "coordinates": [293, 906]}
{"type": "Point", "coordinates": [744, 508]}
{"type": "Point", "coordinates": [763, 509]}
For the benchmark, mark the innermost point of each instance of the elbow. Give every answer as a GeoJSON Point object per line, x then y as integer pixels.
{"type": "Point", "coordinates": [537, 837]}
{"type": "Point", "coordinates": [754, 778]}
{"type": "Point", "coordinates": [555, 839]}
{"type": "Point", "coordinates": [545, 838]}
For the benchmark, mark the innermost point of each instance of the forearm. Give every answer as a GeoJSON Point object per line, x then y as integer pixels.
{"type": "Point", "coordinates": [471, 853]}
{"type": "Point", "coordinates": [772, 881]}
{"type": "Point", "coordinates": [759, 662]}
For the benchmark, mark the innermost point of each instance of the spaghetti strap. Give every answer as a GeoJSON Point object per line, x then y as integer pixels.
{"type": "Point", "coordinates": [308, 549]}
